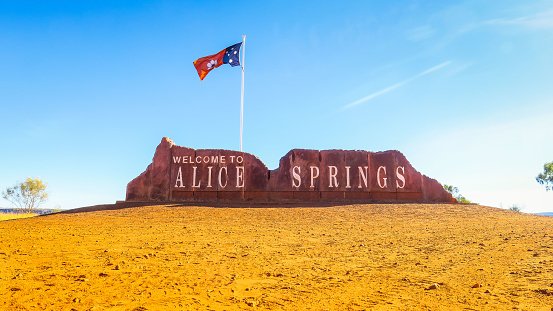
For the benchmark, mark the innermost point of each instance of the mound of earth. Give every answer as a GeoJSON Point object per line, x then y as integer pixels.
{"type": "Point", "coordinates": [353, 257]}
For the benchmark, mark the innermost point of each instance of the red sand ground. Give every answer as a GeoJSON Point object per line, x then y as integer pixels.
{"type": "Point", "coordinates": [354, 257]}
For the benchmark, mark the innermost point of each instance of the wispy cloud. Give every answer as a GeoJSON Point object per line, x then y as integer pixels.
{"type": "Point", "coordinates": [420, 33]}
{"type": "Point", "coordinates": [395, 86]}
{"type": "Point", "coordinates": [542, 20]}
{"type": "Point", "coordinates": [427, 71]}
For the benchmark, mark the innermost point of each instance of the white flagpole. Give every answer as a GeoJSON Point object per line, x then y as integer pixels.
{"type": "Point", "coordinates": [243, 52]}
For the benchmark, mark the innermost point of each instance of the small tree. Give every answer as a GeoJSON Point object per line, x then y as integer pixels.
{"type": "Point", "coordinates": [27, 195]}
{"type": "Point", "coordinates": [546, 178]}
{"type": "Point", "coordinates": [455, 193]}
{"type": "Point", "coordinates": [515, 208]}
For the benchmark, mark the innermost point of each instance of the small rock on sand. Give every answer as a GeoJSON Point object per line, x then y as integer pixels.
{"type": "Point", "coordinates": [434, 286]}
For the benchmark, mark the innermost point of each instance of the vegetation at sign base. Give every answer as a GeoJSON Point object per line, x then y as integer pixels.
{"type": "Point", "coordinates": [515, 208]}
{"type": "Point", "coordinates": [27, 195]}
{"type": "Point", "coordinates": [455, 193]}
{"type": "Point", "coordinates": [9, 216]}
{"type": "Point", "coordinates": [16, 213]}
{"type": "Point", "coordinates": [546, 178]}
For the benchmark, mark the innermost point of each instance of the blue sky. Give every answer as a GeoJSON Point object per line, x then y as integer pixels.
{"type": "Point", "coordinates": [462, 88]}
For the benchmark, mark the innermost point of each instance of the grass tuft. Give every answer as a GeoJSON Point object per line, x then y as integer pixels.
{"type": "Point", "coordinates": [8, 216]}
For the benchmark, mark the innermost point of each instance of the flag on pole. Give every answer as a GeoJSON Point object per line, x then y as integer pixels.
{"type": "Point", "coordinates": [229, 56]}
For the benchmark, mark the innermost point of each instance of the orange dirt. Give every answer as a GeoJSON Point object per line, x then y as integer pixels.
{"type": "Point", "coordinates": [354, 257]}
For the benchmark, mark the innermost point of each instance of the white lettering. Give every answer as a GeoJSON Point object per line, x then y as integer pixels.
{"type": "Point", "coordinates": [179, 179]}
{"type": "Point", "coordinates": [401, 176]}
{"type": "Point", "coordinates": [239, 159]}
{"type": "Point", "coordinates": [332, 172]}
{"type": "Point", "coordinates": [226, 177]}
{"type": "Point", "coordinates": [232, 159]}
{"type": "Point", "coordinates": [384, 178]}
{"type": "Point", "coordinates": [222, 159]}
{"type": "Point", "coordinates": [313, 176]}
{"type": "Point", "coordinates": [206, 159]}
{"type": "Point", "coordinates": [296, 176]}
{"type": "Point", "coordinates": [363, 175]}
{"type": "Point", "coordinates": [176, 159]}
{"type": "Point", "coordinates": [198, 159]}
{"type": "Point", "coordinates": [239, 176]}
{"type": "Point", "coordinates": [194, 178]}
{"type": "Point", "coordinates": [347, 177]}
{"type": "Point", "coordinates": [214, 159]}
{"type": "Point", "coordinates": [209, 176]}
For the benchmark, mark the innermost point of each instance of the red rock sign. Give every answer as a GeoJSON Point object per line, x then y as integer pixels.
{"type": "Point", "coordinates": [184, 174]}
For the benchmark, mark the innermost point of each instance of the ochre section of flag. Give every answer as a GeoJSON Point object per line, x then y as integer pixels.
{"type": "Point", "coordinates": [205, 64]}
{"type": "Point", "coordinates": [230, 55]}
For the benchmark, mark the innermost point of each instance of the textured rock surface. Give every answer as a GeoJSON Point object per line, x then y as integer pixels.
{"type": "Point", "coordinates": [179, 173]}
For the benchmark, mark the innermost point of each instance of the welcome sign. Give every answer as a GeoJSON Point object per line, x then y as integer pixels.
{"type": "Point", "coordinates": [185, 174]}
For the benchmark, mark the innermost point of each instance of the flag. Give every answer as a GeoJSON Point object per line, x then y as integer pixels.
{"type": "Point", "coordinates": [232, 55]}
{"type": "Point", "coordinates": [229, 56]}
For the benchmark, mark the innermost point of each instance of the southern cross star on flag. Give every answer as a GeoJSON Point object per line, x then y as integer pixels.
{"type": "Point", "coordinates": [229, 56]}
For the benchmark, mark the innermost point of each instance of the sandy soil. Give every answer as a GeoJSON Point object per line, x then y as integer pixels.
{"type": "Point", "coordinates": [355, 257]}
